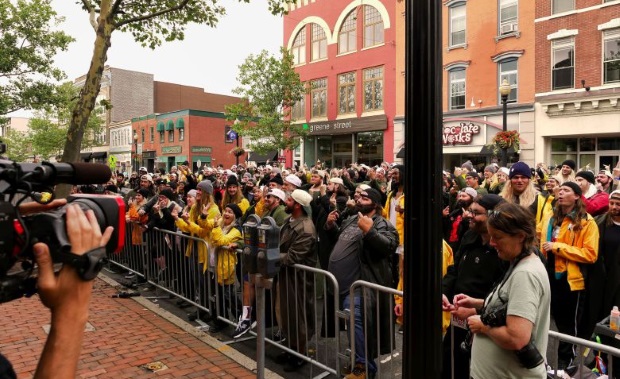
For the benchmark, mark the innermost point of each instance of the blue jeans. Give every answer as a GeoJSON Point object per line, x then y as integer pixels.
{"type": "Point", "coordinates": [360, 340]}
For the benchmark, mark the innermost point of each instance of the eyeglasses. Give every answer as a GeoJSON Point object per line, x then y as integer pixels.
{"type": "Point", "coordinates": [474, 213]}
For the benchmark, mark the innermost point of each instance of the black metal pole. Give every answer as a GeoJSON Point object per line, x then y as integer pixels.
{"type": "Point", "coordinates": [136, 156]}
{"type": "Point", "coordinates": [504, 160]}
{"type": "Point", "coordinates": [423, 168]}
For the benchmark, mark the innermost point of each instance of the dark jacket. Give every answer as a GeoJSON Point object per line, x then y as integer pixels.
{"type": "Point", "coordinates": [476, 268]}
{"type": "Point", "coordinates": [376, 249]}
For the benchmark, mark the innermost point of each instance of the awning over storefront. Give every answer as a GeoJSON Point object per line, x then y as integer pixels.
{"type": "Point", "coordinates": [262, 158]}
{"type": "Point", "coordinates": [486, 150]}
{"type": "Point", "coordinates": [97, 155]}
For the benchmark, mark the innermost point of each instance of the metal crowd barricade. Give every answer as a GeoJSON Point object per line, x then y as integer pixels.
{"type": "Point", "coordinates": [387, 367]}
{"type": "Point", "coordinates": [583, 349]}
{"type": "Point", "coordinates": [312, 335]}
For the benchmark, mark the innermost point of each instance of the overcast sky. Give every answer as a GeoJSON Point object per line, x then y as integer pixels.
{"type": "Point", "coordinates": [207, 58]}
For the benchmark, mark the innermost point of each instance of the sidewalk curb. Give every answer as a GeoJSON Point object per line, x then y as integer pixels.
{"type": "Point", "coordinates": [225, 349]}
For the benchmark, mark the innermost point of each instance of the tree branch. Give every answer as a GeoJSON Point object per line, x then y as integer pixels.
{"type": "Point", "coordinates": [152, 15]}
{"type": "Point", "coordinates": [92, 16]}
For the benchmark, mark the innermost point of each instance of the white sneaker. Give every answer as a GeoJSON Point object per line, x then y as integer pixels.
{"type": "Point", "coordinates": [243, 327]}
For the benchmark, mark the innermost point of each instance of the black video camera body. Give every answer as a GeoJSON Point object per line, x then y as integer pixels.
{"type": "Point", "coordinates": [18, 233]}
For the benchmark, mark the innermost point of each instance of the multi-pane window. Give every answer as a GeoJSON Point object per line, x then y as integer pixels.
{"type": "Point", "coordinates": [319, 97]}
{"type": "Point", "coordinates": [161, 136]}
{"type": "Point", "coordinates": [299, 47]}
{"type": "Point", "coordinates": [348, 34]}
{"type": "Point", "coordinates": [508, 12]}
{"type": "Point", "coordinates": [457, 25]}
{"type": "Point", "coordinates": [611, 56]}
{"type": "Point", "coordinates": [298, 112]}
{"type": "Point", "coordinates": [373, 88]}
{"type": "Point", "coordinates": [319, 43]}
{"type": "Point", "coordinates": [152, 134]}
{"type": "Point", "coordinates": [563, 70]}
{"type": "Point", "coordinates": [456, 80]}
{"type": "Point", "coordinates": [508, 70]}
{"type": "Point", "coordinates": [560, 6]}
{"type": "Point", "coordinates": [346, 93]}
{"type": "Point", "coordinates": [171, 135]}
{"type": "Point", "coordinates": [373, 27]}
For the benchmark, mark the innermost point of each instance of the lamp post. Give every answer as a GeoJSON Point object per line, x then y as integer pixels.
{"type": "Point", "coordinates": [236, 135]}
{"type": "Point", "coordinates": [504, 91]}
{"type": "Point", "coordinates": [135, 143]}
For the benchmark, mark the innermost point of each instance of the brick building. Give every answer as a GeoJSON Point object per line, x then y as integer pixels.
{"type": "Point", "coordinates": [345, 52]}
{"type": "Point", "coordinates": [169, 139]}
{"type": "Point", "coordinates": [484, 43]}
{"type": "Point", "coordinates": [578, 82]}
{"type": "Point", "coordinates": [134, 94]}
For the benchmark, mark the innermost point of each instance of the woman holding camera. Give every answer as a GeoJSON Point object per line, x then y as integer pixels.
{"type": "Point", "coordinates": [511, 326]}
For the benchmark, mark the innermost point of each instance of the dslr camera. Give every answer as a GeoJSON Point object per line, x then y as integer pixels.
{"type": "Point", "coordinates": [528, 356]}
{"type": "Point", "coordinates": [19, 233]}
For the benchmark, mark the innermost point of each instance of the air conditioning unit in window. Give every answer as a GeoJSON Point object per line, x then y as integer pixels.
{"type": "Point", "coordinates": [508, 28]}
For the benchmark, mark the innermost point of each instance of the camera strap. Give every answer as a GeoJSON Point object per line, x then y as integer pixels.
{"type": "Point", "coordinates": [88, 264]}
{"type": "Point", "coordinates": [499, 285]}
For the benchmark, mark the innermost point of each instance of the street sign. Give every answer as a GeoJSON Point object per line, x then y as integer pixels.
{"type": "Point", "coordinates": [232, 135]}
{"type": "Point", "coordinates": [139, 150]}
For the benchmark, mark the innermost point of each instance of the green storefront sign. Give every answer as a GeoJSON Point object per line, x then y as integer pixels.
{"type": "Point", "coordinates": [202, 149]}
{"type": "Point", "coordinates": [171, 149]}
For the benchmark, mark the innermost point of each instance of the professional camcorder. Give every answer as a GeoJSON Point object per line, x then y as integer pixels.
{"type": "Point", "coordinates": [528, 356]}
{"type": "Point", "coordinates": [19, 233]}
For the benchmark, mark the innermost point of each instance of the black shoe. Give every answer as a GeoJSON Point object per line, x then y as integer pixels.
{"type": "Point", "coordinates": [282, 358]}
{"type": "Point", "coordinates": [294, 364]}
{"type": "Point", "coordinates": [217, 326]}
{"type": "Point", "coordinates": [192, 316]}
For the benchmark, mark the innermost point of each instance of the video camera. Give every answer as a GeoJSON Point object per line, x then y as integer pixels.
{"type": "Point", "coordinates": [19, 233]}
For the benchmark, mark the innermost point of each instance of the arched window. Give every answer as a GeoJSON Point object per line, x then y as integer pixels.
{"type": "Point", "coordinates": [319, 43]}
{"type": "Point", "coordinates": [299, 47]}
{"type": "Point", "coordinates": [373, 27]}
{"type": "Point", "coordinates": [347, 39]}
{"type": "Point", "coordinates": [456, 86]}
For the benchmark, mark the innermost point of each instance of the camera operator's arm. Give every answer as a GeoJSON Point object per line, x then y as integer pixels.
{"type": "Point", "coordinates": [67, 296]}
{"type": "Point", "coordinates": [513, 336]}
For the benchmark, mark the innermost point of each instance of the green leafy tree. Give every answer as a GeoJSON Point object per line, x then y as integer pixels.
{"type": "Point", "coordinates": [48, 129]}
{"type": "Point", "coordinates": [269, 87]}
{"type": "Point", "coordinates": [18, 146]}
{"type": "Point", "coordinates": [28, 44]}
{"type": "Point", "coordinates": [150, 23]}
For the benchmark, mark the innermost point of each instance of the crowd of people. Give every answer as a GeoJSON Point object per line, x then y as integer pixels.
{"type": "Point", "coordinates": [530, 245]}
{"type": "Point", "coordinates": [521, 246]}
{"type": "Point", "coordinates": [347, 221]}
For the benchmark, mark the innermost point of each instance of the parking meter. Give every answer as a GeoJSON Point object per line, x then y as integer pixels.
{"type": "Point", "coordinates": [250, 239]}
{"type": "Point", "coordinates": [268, 259]}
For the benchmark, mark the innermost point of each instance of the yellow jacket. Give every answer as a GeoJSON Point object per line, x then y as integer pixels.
{"type": "Point", "coordinates": [448, 260]}
{"type": "Point", "coordinates": [226, 258]}
{"type": "Point", "coordinates": [544, 210]}
{"type": "Point", "coordinates": [572, 248]}
{"type": "Point", "coordinates": [400, 217]}
{"type": "Point", "coordinates": [197, 227]}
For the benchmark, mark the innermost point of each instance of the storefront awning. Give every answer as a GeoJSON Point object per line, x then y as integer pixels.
{"type": "Point", "coordinates": [486, 150]}
{"type": "Point", "coordinates": [97, 155]}
{"type": "Point", "coordinates": [262, 158]}
{"type": "Point", "coordinates": [170, 125]}
{"type": "Point", "coordinates": [160, 126]}
{"type": "Point", "coordinates": [180, 124]}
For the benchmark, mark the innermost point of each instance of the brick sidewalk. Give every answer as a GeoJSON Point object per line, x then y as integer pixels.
{"type": "Point", "coordinates": [126, 335]}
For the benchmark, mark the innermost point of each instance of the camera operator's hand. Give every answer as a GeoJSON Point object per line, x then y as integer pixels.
{"type": "Point", "coordinates": [34, 207]}
{"type": "Point", "coordinates": [67, 296]}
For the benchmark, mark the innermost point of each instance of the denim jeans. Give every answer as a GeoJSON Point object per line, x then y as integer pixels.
{"type": "Point", "coordinates": [360, 340]}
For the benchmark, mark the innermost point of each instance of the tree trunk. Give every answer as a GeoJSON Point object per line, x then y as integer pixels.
{"type": "Point", "coordinates": [90, 90]}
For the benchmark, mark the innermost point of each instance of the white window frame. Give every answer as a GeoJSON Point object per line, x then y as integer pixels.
{"type": "Point", "coordinates": [610, 35]}
{"type": "Point", "coordinates": [456, 18]}
{"type": "Point", "coordinates": [377, 29]}
{"type": "Point", "coordinates": [508, 25]}
{"type": "Point", "coordinates": [553, 6]}
{"type": "Point", "coordinates": [513, 79]}
{"type": "Point", "coordinates": [319, 45]}
{"type": "Point", "coordinates": [559, 45]}
{"type": "Point", "coordinates": [452, 81]}
{"type": "Point", "coordinates": [298, 49]}
{"type": "Point", "coordinates": [349, 32]}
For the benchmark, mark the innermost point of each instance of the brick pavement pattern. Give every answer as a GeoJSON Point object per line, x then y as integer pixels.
{"type": "Point", "coordinates": [126, 336]}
